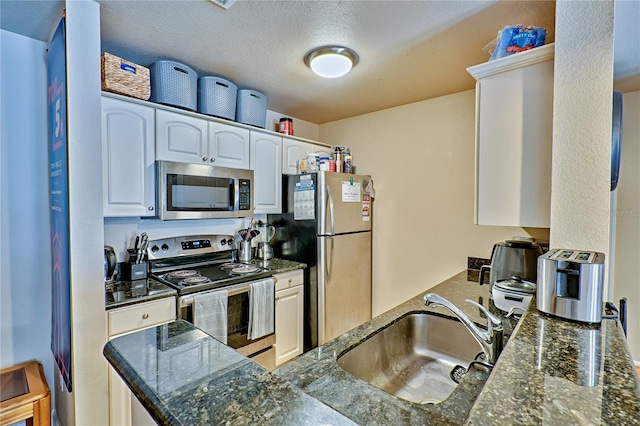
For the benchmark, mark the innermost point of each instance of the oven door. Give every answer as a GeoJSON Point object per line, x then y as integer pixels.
{"type": "Point", "coordinates": [198, 191]}
{"type": "Point", "coordinates": [261, 350]}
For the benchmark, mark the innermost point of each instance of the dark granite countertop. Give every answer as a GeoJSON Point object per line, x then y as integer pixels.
{"type": "Point", "coordinates": [124, 293]}
{"type": "Point", "coordinates": [185, 377]}
{"type": "Point", "coordinates": [564, 373]}
{"type": "Point", "coordinates": [318, 373]}
{"type": "Point", "coordinates": [551, 371]}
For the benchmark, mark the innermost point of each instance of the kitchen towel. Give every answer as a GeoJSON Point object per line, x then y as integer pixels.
{"type": "Point", "coordinates": [210, 313]}
{"type": "Point", "coordinates": [261, 308]}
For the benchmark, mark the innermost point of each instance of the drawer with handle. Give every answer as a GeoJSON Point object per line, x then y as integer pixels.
{"type": "Point", "coordinates": [141, 315]}
{"type": "Point", "coordinates": [289, 279]}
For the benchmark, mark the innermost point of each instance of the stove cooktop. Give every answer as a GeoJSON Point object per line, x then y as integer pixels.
{"type": "Point", "coordinates": [210, 277]}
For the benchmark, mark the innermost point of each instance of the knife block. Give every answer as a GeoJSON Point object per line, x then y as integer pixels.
{"type": "Point", "coordinates": [134, 271]}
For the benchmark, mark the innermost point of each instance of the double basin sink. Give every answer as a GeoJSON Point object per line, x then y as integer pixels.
{"type": "Point", "coordinates": [420, 357]}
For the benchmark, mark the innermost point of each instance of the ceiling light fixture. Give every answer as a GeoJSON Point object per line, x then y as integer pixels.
{"type": "Point", "coordinates": [331, 61]}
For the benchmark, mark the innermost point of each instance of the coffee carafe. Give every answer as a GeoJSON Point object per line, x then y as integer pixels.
{"type": "Point", "coordinates": [264, 250]}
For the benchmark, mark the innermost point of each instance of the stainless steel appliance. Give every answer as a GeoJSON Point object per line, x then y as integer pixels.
{"type": "Point", "coordinates": [196, 265]}
{"type": "Point", "coordinates": [570, 284]}
{"type": "Point", "coordinates": [201, 191]}
{"type": "Point", "coordinates": [517, 257]}
{"type": "Point", "coordinates": [266, 232]}
{"type": "Point", "coordinates": [326, 223]}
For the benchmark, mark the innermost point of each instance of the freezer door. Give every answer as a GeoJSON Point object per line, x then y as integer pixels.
{"type": "Point", "coordinates": [344, 284]}
{"type": "Point", "coordinates": [342, 205]}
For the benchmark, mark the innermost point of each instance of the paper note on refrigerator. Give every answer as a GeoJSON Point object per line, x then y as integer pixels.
{"type": "Point", "coordinates": [304, 200]}
{"type": "Point", "coordinates": [351, 192]}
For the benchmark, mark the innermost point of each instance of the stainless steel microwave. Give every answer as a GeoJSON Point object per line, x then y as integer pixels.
{"type": "Point", "coordinates": [200, 191]}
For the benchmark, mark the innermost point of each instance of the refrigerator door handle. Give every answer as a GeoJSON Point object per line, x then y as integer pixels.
{"type": "Point", "coordinates": [330, 199]}
{"type": "Point", "coordinates": [328, 261]}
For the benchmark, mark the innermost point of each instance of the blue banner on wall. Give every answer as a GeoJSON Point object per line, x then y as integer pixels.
{"type": "Point", "coordinates": [59, 204]}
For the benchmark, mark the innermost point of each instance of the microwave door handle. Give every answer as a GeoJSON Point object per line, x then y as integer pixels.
{"type": "Point", "coordinates": [234, 184]}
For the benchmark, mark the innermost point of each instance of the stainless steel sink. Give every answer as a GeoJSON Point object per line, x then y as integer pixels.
{"type": "Point", "coordinates": [413, 357]}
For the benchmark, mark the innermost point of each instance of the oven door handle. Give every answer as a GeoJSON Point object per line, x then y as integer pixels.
{"type": "Point", "coordinates": [185, 301]}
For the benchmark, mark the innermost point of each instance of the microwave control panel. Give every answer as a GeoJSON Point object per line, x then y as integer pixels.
{"type": "Point", "coordinates": [245, 194]}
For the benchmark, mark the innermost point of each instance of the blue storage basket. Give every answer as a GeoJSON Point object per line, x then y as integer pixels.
{"type": "Point", "coordinates": [217, 96]}
{"type": "Point", "coordinates": [251, 108]}
{"type": "Point", "coordinates": [173, 83]}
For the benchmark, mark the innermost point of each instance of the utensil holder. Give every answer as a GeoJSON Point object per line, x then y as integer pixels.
{"type": "Point", "coordinates": [134, 271]}
{"type": "Point", "coordinates": [245, 251]}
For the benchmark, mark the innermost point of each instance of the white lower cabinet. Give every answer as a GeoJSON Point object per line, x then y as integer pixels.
{"type": "Point", "coordinates": [289, 315]}
{"type": "Point", "coordinates": [265, 158]}
{"type": "Point", "coordinates": [124, 407]}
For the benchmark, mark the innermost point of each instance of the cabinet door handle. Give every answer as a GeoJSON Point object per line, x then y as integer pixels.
{"type": "Point", "coordinates": [150, 208]}
{"type": "Point", "coordinates": [145, 316]}
{"type": "Point", "coordinates": [204, 159]}
{"type": "Point", "coordinates": [290, 281]}
{"type": "Point", "coordinates": [211, 160]}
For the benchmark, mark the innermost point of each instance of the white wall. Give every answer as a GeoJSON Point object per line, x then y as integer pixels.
{"type": "Point", "coordinates": [89, 400]}
{"type": "Point", "coordinates": [25, 254]}
{"type": "Point", "coordinates": [421, 158]}
{"type": "Point", "coordinates": [582, 103]}
{"type": "Point", "coordinates": [627, 239]}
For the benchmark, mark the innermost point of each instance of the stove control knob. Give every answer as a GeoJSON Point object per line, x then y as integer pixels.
{"type": "Point", "coordinates": [223, 242]}
{"type": "Point", "coordinates": [165, 247]}
{"type": "Point", "coordinates": [154, 249]}
{"type": "Point", "coordinates": [230, 241]}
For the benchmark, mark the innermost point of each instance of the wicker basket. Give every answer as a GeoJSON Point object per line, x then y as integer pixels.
{"type": "Point", "coordinates": [124, 77]}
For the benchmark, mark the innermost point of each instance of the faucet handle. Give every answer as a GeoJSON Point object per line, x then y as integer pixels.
{"type": "Point", "coordinates": [493, 321]}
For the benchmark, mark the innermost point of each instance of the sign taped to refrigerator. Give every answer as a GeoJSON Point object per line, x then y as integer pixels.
{"type": "Point", "coordinates": [304, 204]}
{"type": "Point", "coordinates": [351, 192]}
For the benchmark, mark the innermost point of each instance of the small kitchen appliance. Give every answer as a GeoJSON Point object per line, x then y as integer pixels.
{"type": "Point", "coordinates": [570, 284]}
{"type": "Point", "coordinates": [264, 250]}
{"type": "Point", "coordinates": [512, 293]}
{"type": "Point", "coordinates": [517, 257]}
{"type": "Point", "coordinates": [199, 266]}
{"type": "Point", "coordinates": [203, 191]}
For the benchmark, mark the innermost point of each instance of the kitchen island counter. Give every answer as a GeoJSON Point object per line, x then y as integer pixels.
{"type": "Point", "coordinates": [525, 387]}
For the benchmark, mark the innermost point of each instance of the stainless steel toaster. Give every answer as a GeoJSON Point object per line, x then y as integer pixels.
{"type": "Point", "coordinates": [570, 284]}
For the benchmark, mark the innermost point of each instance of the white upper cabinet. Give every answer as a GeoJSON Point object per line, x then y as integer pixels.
{"type": "Point", "coordinates": [514, 118]}
{"type": "Point", "coordinates": [228, 146]}
{"type": "Point", "coordinates": [128, 159]}
{"type": "Point", "coordinates": [266, 163]}
{"type": "Point", "coordinates": [292, 151]}
{"type": "Point", "coordinates": [181, 138]}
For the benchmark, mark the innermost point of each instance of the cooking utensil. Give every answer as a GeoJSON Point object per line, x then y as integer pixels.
{"type": "Point", "coordinates": [249, 228]}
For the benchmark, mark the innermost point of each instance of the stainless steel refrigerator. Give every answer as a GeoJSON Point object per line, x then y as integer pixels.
{"type": "Point", "coordinates": [326, 223]}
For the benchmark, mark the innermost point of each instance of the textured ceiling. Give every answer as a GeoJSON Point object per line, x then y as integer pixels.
{"type": "Point", "coordinates": [409, 50]}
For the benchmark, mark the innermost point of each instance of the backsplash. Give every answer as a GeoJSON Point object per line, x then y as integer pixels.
{"type": "Point", "coordinates": [473, 267]}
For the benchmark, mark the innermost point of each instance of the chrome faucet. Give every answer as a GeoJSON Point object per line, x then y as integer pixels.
{"type": "Point", "coordinates": [490, 340]}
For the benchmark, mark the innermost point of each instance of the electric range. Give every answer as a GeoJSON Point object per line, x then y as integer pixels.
{"type": "Point", "coordinates": [199, 263]}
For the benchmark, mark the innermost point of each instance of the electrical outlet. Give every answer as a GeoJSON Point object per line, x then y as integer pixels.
{"type": "Point", "coordinates": [225, 4]}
